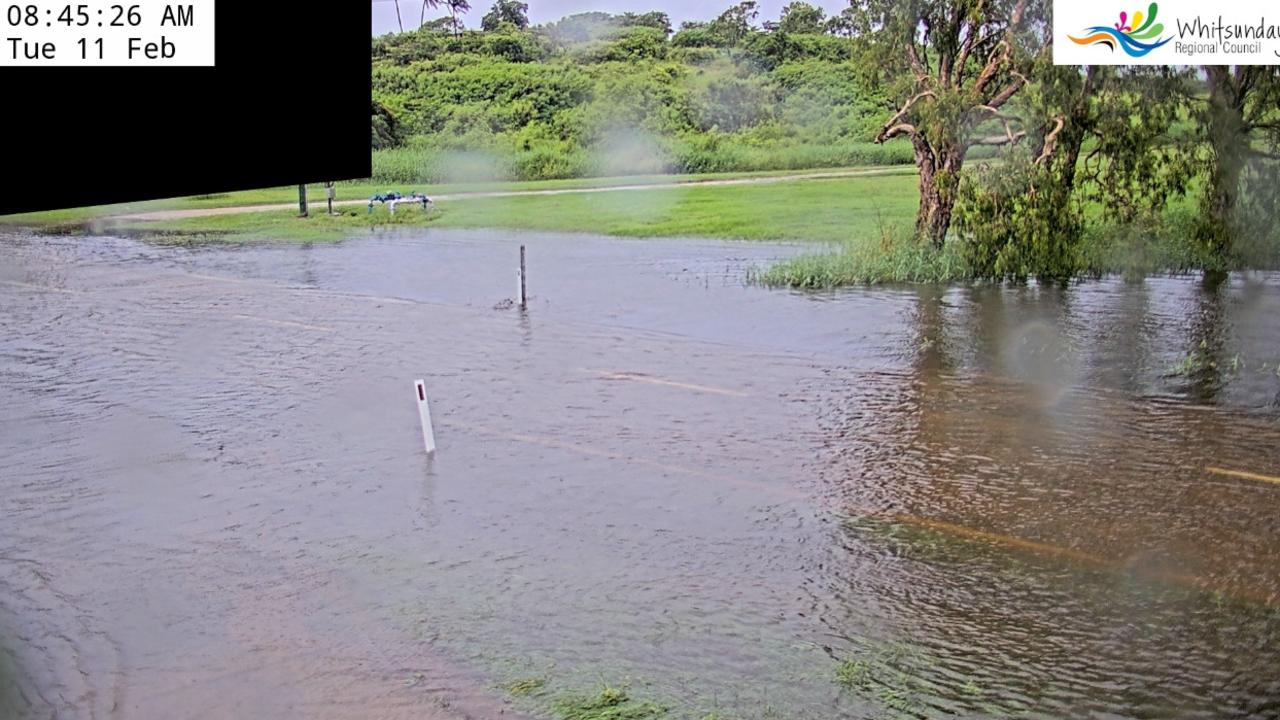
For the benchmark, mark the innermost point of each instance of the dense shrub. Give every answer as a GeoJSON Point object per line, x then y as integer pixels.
{"type": "Point", "coordinates": [387, 132]}
{"type": "Point", "coordinates": [606, 94]}
{"type": "Point", "coordinates": [630, 45]}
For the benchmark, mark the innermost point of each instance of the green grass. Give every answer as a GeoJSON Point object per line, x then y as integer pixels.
{"type": "Point", "coordinates": [854, 674]}
{"type": "Point", "coordinates": [363, 189]}
{"type": "Point", "coordinates": [523, 687]}
{"type": "Point", "coordinates": [611, 703]}
{"type": "Point", "coordinates": [271, 226]}
{"type": "Point", "coordinates": [829, 210]}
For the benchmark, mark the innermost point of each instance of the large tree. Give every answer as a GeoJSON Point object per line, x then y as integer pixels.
{"type": "Point", "coordinates": [953, 65]}
{"type": "Point", "coordinates": [735, 23]}
{"type": "Point", "coordinates": [506, 12]}
{"type": "Point", "coordinates": [802, 18]}
{"type": "Point", "coordinates": [845, 23]}
{"type": "Point", "coordinates": [1097, 135]}
{"type": "Point", "coordinates": [1241, 118]}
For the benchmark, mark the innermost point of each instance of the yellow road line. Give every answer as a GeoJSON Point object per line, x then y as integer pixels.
{"type": "Point", "coordinates": [640, 377]}
{"type": "Point", "coordinates": [755, 485]}
{"type": "Point", "coordinates": [1038, 548]}
{"type": "Point", "coordinates": [1079, 557]}
{"type": "Point", "coordinates": [284, 323]}
{"type": "Point", "coordinates": [1243, 475]}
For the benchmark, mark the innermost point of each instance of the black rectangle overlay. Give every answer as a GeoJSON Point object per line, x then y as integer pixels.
{"type": "Point", "coordinates": [286, 103]}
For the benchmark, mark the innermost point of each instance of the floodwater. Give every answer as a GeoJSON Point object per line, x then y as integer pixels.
{"type": "Point", "coordinates": [974, 502]}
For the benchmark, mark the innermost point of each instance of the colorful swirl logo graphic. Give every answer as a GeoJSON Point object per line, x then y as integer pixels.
{"type": "Point", "coordinates": [1134, 36]}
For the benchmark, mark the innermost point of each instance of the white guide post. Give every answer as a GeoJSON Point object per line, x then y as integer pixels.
{"type": "Point", "coordinates": [424, 412]}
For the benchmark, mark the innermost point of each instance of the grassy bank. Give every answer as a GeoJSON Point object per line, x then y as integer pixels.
{"type": "Point", "coordinates": [356, 190]}
{"type": "Point", "coordinates": [863, 222]}
{"type": "Point", "coordinates": [832, 209]}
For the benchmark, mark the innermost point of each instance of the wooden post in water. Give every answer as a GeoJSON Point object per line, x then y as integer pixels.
{"type": "Point", "coordinates": [524, 299]}
{"type": "Point", "coordinates": [302, 200]}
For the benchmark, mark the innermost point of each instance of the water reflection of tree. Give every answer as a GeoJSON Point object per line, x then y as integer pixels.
{"type": "Point", "coordinates": [1205, 367]}
{"type": "Point", "coordinates": [931, 359]}
{"type": "Point", "coordinates": [1120, 341]}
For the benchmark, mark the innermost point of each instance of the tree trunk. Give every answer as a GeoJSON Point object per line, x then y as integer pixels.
{"type": "Point", "coordinates": [1228, 143]}
{"type": "Point", "coordinates": [939, 177]}
{"type": "Point", "coordinates": [1224, 192]}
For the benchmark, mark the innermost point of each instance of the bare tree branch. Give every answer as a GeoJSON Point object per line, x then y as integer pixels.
{"type": "Point", "coordinates": [917, 66]}
{"type": "Point", "coordinates": [1008, 139]}
{"type": "Point", "coordinates": [994, 112]}
{"type": "Point", "coordinates": [970, 41]}
{"type": "Point", "coordinates": [1007, 120]}
{"type": "Point", "coordinates": [892, 132]}
{"type": "Point", "coordinates": [993, 66]}
{"type": "Point", "coordinates": [1009, 90]}
{"type": "Point", "coordinates": [1015, 17]}
{"type": "Point", "coordinates": [1050, 141]}
{"type": "Point", "coordinates": [906, 108]}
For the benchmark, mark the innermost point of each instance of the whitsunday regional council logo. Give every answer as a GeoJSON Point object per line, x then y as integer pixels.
{"type": "Point", "coordinates": [1173, 32]}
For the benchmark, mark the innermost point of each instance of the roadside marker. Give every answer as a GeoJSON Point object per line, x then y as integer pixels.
{"type": "Point", "coordinates": [424, 413]}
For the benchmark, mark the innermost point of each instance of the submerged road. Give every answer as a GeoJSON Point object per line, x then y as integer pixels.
{"type": "Point", "coordinates": [988, 502]}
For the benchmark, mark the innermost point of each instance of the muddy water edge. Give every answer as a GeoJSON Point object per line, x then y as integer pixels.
{"type": "Point", "coordinates": [727, 500]}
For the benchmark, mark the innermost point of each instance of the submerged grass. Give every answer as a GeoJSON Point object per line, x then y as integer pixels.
{"type": "Point", "coordinates": [524, 687]}
{"type": "Point", "coordinates": [895, 257]}
{"type": "Point", "coordinates": [889, 673]}
{"type": "Point", "coordinates": [1163, 245]}
{"type": "Point", "coordinates": [610, 703]}
{"type": "Point", "coordinates": [268, 226]}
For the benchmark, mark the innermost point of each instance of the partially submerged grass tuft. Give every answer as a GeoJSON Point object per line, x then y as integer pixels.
{"type": "Point", "coordinates": [1163, 245]}
{"type": "Point", "coordinates": [524, 687]}
{"type": "Point", "coordinates": [895, 257]}
{"type": "Point", "coordinates": [854, 674]}
{"type": "Point", "coordinates": [611, 703]}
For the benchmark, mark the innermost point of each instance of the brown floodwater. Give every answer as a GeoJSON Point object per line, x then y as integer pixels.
{"type": "Point", "coordinates": [925, 502]}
